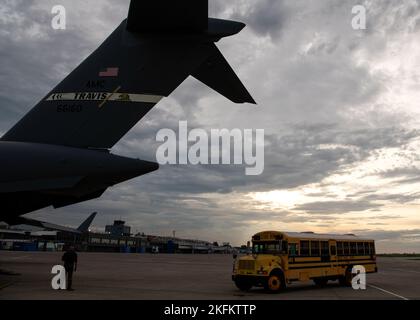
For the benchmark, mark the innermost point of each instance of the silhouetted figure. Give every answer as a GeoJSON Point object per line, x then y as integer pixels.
{"type": "Point", "coordinates": [70, 264]}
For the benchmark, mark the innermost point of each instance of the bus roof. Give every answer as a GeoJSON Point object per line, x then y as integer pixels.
{"type": "Point", "coordinates": [312, 235]}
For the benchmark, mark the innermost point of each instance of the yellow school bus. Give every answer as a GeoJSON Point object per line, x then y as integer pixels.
{"type": "Point", "coordinates": [280, 258]}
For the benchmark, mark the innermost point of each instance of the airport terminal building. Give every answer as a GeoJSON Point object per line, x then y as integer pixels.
{"type": "Point", "coordinates": [116, 238]}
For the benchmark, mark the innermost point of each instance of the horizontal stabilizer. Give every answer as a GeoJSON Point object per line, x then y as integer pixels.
{"type": "Point", "coordinates": [216, 73]}
{"type": "Point", "coordinates": [219, 28]}
{"type": "Point", "coordinates": [168, 16]}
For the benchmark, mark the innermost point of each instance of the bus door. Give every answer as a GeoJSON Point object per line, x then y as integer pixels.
{"type": "Point", "coordinates": [333, 252]}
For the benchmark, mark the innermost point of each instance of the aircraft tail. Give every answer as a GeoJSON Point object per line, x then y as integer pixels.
{"type": "Point", "coordinates": [144, 60]}
{"type": "Point", "coordinates": [84, 227]}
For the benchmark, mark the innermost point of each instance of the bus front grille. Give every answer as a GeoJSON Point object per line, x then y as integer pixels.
{"type": "Point", "coordinates": [246, 265]}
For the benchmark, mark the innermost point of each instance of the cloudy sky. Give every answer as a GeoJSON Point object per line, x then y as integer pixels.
{"type": "Point", "coordinates": [340, 109]}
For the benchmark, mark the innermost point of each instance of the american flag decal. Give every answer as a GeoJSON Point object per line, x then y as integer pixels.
{"type": "Point", "coordinates": [109, 72]}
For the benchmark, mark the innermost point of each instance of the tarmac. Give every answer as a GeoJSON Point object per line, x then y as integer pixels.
{"type": "Point", "coordinates": [182, 277]}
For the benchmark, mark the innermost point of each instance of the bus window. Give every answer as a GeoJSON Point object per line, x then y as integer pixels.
{"type": "Point", "coordinates": [346, 248]}
{"type": "Point", "coordinates": [360, 249]}
{"type": "Point", "coordinates": [367, 248]}
{"type": "Point", "coordinates": [284, 246]}
{"type": "Point", "coordinates": [292, 250]}
{"type": "Point", "coordinates": [372, 247]}
{"type": "Point", "coordinates": [325, 250]}
{"type": "Point", "coordinates": [340, 248]}
{"type": "Point", "coordinates": [257, 248]}
{"type": "Point", "coordinates": [270, 247]}
{"type": "Point", "coordinates": [353, 248]}
{"type": "Point", "coordinates": [333, 250]}
{"type": "Point", "coordinates": [304, 248]}
{"type": "Point", "coordinates": [315, 248]}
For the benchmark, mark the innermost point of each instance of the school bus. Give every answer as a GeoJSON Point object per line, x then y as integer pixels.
{"type": "Point", "coordinates": [280, 258]}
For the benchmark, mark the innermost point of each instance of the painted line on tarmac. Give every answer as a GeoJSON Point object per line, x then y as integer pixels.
{"type": "Point", "coordinates": [5, 285]}
{"type": "Point", "coordinates": [402, 270]}
{"type": "Point", "coordinates": [20, 257]}
{"type": "Point", "coordinates": [389, 292]}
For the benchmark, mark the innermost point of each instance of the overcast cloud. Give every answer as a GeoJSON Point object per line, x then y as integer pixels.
{"type": "Point", "coordinates": [340, 109]}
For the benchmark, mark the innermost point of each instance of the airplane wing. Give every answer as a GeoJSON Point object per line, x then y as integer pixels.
{"type": "Point", "coordinates": [143, 61]}
{"type": "Point", "coordinates": [84, 227]}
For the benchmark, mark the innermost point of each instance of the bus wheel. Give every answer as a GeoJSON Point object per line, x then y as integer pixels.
{"type": "Point", "coordinates": [321, 282]}
{"type": "Point", "coordinates": [243, 285]}
{"type": "Point", "coordinates": [275, 283]}
{"type": "Point", "coordinates": [345, 280]}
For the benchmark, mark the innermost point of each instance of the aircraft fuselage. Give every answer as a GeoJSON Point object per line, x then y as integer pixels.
{"type": "Point", "coordinates": [59, 175]}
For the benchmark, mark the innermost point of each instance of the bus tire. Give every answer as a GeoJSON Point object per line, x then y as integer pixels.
{"type": "Point", "coordinates": [243, 285]}
{"type": "Point", "coordinates": [275, 282]}
{"type": "Point", "coordinates": [321, 282]}
{"type": "Point", "coordinates": [345, 280]}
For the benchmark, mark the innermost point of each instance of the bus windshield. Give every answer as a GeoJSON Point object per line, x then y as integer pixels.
{"type": "Point", "coordinates": [269, 247]}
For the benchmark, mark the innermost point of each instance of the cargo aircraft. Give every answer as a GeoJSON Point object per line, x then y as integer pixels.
{"type": "Point", "coordinates": [58, 154]}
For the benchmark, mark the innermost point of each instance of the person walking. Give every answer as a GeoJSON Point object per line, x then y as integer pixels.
{"type": "Point", "coordinates": [70, 264]}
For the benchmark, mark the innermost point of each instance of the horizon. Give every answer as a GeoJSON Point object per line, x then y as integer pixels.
{"type": "Point", "coordinates": [339, 108]}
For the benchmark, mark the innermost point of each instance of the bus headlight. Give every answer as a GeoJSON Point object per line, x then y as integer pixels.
{"type": "Point", "coordinates": [262, 271]}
